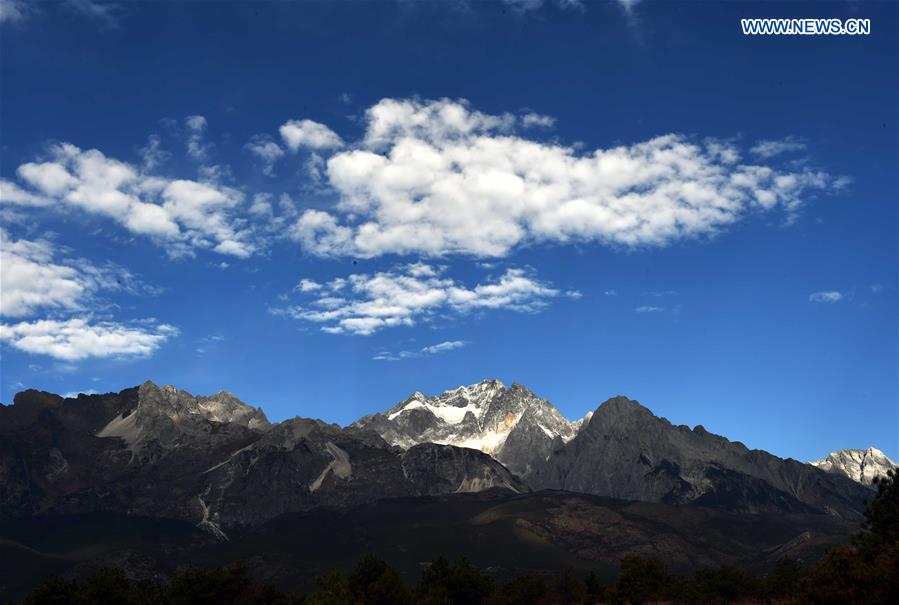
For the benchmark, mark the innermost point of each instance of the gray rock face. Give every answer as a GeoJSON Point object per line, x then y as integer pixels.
{"type": "Point", "coordinates": [214, 461]}
{"type": "Point", "coordinates": [626, 452]}
{"type": "Point", "coordinates": [859, 465]}
{"type": "Point", "coordinates": [513, 425]}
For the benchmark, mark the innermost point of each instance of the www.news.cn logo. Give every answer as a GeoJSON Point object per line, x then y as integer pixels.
{"type": "Point", "coordinates": [806, 27]}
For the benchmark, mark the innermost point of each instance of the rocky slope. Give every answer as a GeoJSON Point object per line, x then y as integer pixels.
{"type": "Point", "coordinates": [624, 451]}
{"type": "Point", "coordinates": [859, 465]}
{"type": "Point", "coordinates": [214, 461]}
{"type": "Point", "coordinates": [513, 425]}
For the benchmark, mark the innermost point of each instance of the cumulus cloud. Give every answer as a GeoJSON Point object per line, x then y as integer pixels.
{"type": "Point", "coordinates": [308, 285]}
{"type": "Point", "coordinates": [439, 177]}
{"type": "Point", "coordinates": [829, 296]}
{"type": "Point", "coordinates": [268, 152]}
{"type": "Point", "coordinates": [309, 134]}
{"type": "Point", "coordinates": [366, 303]}
{"type": "Point", "coordinates": [770, 148]}
{"type": "Point", "coordinates": [33, 279]}
{"type": "Point", "coordinates": [178, 213]}
{"type": "Point", "coordinates": [78, 338]}
{"type": "Point", "coordinates": [442, 347]}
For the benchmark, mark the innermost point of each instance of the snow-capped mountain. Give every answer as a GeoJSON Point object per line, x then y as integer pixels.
{"type": "Point", "coordinates": [859, 465]}
{"type": "Point", "coordinates": [511, 424]}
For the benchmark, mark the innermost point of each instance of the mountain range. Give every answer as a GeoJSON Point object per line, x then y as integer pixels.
{"type": "Point", "coordinates": [218, 462]}
{"type": "Point", "coordinates": [483, 462]}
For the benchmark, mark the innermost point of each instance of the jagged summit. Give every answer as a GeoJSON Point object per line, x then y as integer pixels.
{"type": "Point", "coordinates": [512, 424]}
{"type": "Point", "coordinates": [166, 417]}
{"type": "Point", "coordinates": [859, 465]}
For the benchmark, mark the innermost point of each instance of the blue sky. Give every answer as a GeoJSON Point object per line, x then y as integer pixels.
{"type": "Point", "coordinates": [323, 207]}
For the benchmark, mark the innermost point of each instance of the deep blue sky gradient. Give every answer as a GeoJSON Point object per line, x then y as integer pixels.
{"type": "Point", "coordinates": [746, 354]}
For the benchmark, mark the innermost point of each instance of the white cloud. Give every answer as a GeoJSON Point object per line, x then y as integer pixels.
{"type": "Point", "coordinates": [830, 296]}
{"type": "Point", "coordinates": [628, 5]}
{"type": "Point", "coordinates": [30, 280]}
{"type": "Point", "coordinates": [268, 152]}
{"type": "Point", "coordinates": [182, 214]}
{"type": "Point", "coordinates": [438, 177]}
{"type": "Point", "coordinates": [649, 309]}
{"type": "Point", "coordinates": [523, 6]}
{"type": "Point", "coordinates": [153, 155]}
{"type": "Point", "coordinates": [611, 292]}
{"type": "Point", "coordinates": [77, 338]}
{"type": "Point", "coordinates": [14, 11]}
{"type": "Point", "coordinates": [364, 304]}
{"type": "Point", "coordinates": [306, 133]}
{"type": "Point", "coordinates": [10, 193]}
{"type": "Point", "coordinates": [307, 285]}
{"type": "Point", "coordinates": [447, 345]}
{"type": "Point", "coordinates": [536, 120]}
{"type": "Point", "coordinates": [75, 394]}
{"type": "Point", "coordinates": [196, 128]}
{"type": "Point", "coordinates": [876, 288]}
{"type": "Point", "coordinates": [770, 148]}
{"type": "Point", "coordinates": [442, 347]}
{"type": "Point", "coordinates": [106, 12]}
{"type": "Point", "coordinates": [33, 279]}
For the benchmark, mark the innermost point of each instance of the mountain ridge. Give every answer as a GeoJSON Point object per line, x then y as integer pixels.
{"type": "Point", "coordinates": [218, 462]}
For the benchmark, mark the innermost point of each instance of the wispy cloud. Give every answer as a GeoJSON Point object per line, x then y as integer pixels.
{"type": "Point", "coordinates": [649, 309]}
{"type": "Point", "coordinates": [428, 351]}
{"type": "Point", "coordinates": [106, 13]}
{"type": "Point", "coordinates": [770, 148]}
{"type": "Point", "coordinates": [829, 296]}
{"type": "Point", "coordinates": [15, 11]}
{"type": "Point", "coordinates": [209, 343]}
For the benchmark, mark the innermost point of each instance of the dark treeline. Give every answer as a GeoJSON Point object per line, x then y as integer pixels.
{"type": "Point", "coordinates": [865, 574]}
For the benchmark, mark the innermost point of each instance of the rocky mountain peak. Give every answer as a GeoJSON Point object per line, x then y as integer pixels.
{"type": "Point", "coordinates": [621, 411]}
{"type": "Point", "coordinates": [179, 405]}
{"type": "Point", "coordinates": [514, 425]}
{"type": "Point", "coordinates": [859, 465]}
